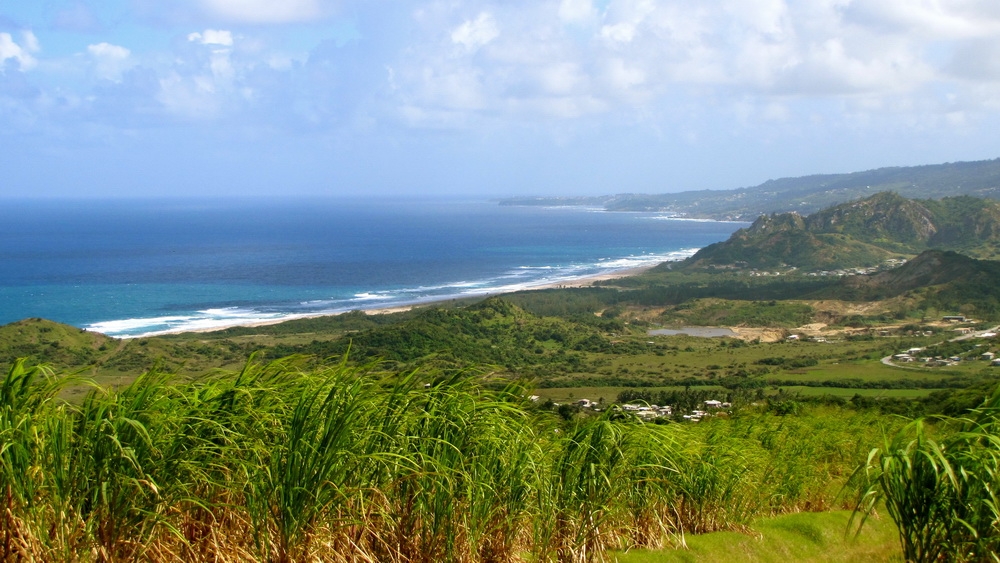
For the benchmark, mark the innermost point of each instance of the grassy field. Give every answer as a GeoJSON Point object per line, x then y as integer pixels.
{"type": "Point", "coordinates": [849, 392]}
{"type": "Point", "coordinates": [802, 537]}
{"type": "Point", "coordinates": [569, 394]}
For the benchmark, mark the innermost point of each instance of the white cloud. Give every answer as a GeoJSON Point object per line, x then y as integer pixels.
{"type": "Point", "coordinates": [31, 42]}
{"type": "Point", "coordinates": [109, 60]}
{"type": "Point", "coordinates": [191, 97]}
{"type": "Point", "coordinates": [266, 11]}
{"type": "Point", "coordinates": [466, 63]}
{"type": "Point", "coordinates": [643, 52]}
{"type": "Point", "coordinates": [577, 11]}
{"type": "Point", "coordinates": [765, 17]}
{"type": "Point", "coordinates": [563, 78]}
{"type": "Point", "coordinates": [622, 32]}
{"type": "Point", "coordinates": [937, 19]}
{"type": "Point", "coordinates": [220, 63]}
{"type": "Point", "coordinates": [213, 37]}
{"type": "Point", "coordinates": [476, 33]}
{"type": "Point", "coordinates": [623, 76]}
{"type": "Point", "coordinates": [560, 107]}
{"type": "Point", "coordinates": [830, 68]}
{"type": "Point", "coordinates": [977, 61]}
{"type": "Point", "coordinates": [20, 53]}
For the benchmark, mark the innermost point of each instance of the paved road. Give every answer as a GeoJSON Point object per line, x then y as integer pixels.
{"type": "Point", "coordinates": [975, 334]}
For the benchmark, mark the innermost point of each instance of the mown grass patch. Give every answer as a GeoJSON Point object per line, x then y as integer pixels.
{"type": "Point", "coordinates": [815, 537]}
{"type": "Point", "coordinates": [867, 371]}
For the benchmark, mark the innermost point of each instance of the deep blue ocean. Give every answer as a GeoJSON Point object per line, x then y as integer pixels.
{"type": "Point", "coordinates": [139, 267]}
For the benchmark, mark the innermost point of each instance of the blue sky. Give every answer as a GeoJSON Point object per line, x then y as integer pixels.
{"type": "Point", "coordinates": [127, 98]}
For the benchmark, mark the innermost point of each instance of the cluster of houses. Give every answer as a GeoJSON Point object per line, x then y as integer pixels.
{"type": "Point", "coordinates": [798, 337]}
{"type": "Point", "coordinates": [913, 355]}
{"type": "Point", "coordinates": [887, 265]}
{"type": "Point", "coordinates": [651, 412]}
{"type": "Point", "coordinates": [844, 272]}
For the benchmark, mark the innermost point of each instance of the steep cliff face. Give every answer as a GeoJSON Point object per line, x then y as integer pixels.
{"type": "Point", "coordinates": [862, 233]}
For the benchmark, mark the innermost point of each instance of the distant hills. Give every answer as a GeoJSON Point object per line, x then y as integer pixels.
{"type": "Point", "coordinates": [860, 234]}
{"type": "Point", "coordinates": [804, 195]}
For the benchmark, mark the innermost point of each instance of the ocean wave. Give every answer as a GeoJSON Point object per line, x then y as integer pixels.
{"type": "Point", "coordinates": [372, 296]}
{"type": "Point", "coordinates": [124, 326]}
{"type": "Point", "coordinates": [518, 279]}
{"type": "Point", "coordinates": [691, 219]}
{"type": "Point", "coordinates": [208, 319]}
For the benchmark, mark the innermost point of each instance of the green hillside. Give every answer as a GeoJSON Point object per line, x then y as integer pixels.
{"type": "Point", "coordinates": [57, 344]}
{"type": "Point", "coordinates": [860, 234]}
{"type": "Point", "coordinates": [943, 280]}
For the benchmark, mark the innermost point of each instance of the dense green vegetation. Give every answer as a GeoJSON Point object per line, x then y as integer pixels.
{"type": "Point", "coordinates": [746, 313]}
{"type": "Point", "coordinates": [940, 491]}
{"type": "Point", "coordinates": [860, 234]}
{"type": "Point", "coordinates": [501, 342]}
{"type": "Point", "coordinates": [280, 462]}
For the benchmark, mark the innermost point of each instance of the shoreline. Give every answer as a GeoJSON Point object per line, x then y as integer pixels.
{"type": "Point", "coordinates": [585, 281]}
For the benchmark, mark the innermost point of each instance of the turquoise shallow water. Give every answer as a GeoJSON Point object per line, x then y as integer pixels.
{"type": "Point", "coordinates": [128, 268]}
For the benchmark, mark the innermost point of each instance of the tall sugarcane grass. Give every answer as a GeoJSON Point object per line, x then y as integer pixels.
{"type": "Point", "coordinates": [283, 462]}
{"type": "Point", "coordinates": [941, 490]}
